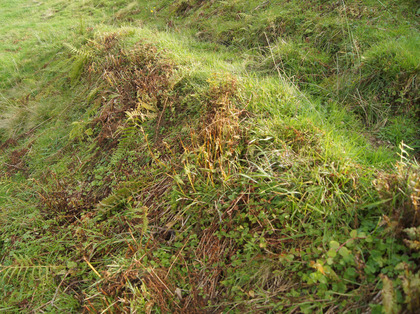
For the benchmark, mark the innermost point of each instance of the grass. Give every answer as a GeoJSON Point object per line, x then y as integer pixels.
{"type": "Point", "coordinates": [332, 51]}
{"type": "Point", "coordinates": [160, 157]}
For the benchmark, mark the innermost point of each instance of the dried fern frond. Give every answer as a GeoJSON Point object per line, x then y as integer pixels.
{"type": "Point", "coordinates": [77, 51]}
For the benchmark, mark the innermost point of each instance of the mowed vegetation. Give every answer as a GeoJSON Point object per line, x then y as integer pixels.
{"type": "Point", "coordinates": [209, 156]}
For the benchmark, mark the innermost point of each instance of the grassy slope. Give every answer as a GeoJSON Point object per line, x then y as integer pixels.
{"type": "Point", "coordinates": [146, 170]}
{"type": "Point", "coordinates": [341, 51]}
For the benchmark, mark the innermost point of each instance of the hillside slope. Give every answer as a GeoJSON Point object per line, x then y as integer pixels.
{"type": "Point", "coordinates": [205, 156]}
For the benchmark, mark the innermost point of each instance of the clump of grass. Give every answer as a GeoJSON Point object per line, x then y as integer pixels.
{"type": "Point", "coordinates": [391, 67]}
{"type": "Point", "coordinates": [303, 66]}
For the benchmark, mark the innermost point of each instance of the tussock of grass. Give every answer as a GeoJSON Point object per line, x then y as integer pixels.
{"type": "Point", "coordinates": [146, 171]}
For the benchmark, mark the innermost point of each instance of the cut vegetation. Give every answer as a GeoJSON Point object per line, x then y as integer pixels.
{"type": "Point", "coordinates": [209, 156]}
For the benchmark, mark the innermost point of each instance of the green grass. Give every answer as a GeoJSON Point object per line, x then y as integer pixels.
{"type": "Point", "coordinates": [345, 51]}
{"type": "Point", "coordinates": [175, 156]}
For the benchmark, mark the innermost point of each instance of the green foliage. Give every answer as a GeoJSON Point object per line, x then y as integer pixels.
{"type": "Point", "coordinates": [148, 171]}
{"type": "Point", "coordinates": [362, 54]}
{"type": "Point", "coordinates": [289, 59]}
{"type": "Point", "coordinates": [401, 129]}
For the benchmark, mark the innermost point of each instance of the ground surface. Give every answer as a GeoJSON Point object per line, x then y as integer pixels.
{"type": "Point", "coordinates": [209, 156]}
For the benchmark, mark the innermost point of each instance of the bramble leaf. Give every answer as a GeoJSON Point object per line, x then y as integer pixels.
{"type": "Point", "coordinates": [332, 253]}
{"type": "Point", "coordinates": [334, 245]}
{"type": "Point", "coordinates": [344, 252]}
